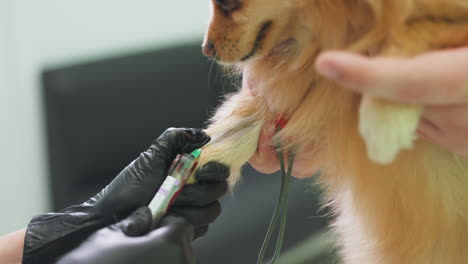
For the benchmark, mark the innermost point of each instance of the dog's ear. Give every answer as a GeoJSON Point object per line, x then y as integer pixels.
{"type": "Point", "coordinates": [228, 6]}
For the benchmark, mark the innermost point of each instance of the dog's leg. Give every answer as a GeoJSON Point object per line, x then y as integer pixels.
{"type": "Point", "coordinates": [387, 127]}
{"type": "Point", "coordinates": [234, 131]}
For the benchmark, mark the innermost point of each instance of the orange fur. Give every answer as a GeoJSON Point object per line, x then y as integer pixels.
{"type": "Point", "coordinates": [413, 210]}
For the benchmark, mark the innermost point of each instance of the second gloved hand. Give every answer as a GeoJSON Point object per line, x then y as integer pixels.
{"type": "Point", "coordinates": [132, 241]}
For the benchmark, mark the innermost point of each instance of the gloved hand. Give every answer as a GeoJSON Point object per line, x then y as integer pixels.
{"type": "Point", "coordinates": [118, 244]}
{"type": "Point", "coordinates": [50, 235]}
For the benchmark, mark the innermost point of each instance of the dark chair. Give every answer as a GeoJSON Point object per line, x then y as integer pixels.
{"type": "Point", "coordinates": [102, 114]}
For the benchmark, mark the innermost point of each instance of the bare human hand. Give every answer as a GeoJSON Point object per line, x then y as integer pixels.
{"type": "Point", "coordinates": [437, 80]}
{"type": "Point", "coordinates": [265, 159]}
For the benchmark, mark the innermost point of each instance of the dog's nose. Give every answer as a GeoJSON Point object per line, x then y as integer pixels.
{"type": "Point", "coordinates": [209, 49]}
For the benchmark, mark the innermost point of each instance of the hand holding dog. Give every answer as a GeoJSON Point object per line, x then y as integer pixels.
{"type": "Point", "coordinates": [437, 80]}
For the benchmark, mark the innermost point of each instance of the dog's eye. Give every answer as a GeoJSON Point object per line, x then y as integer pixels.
{"type": "Point", "coordinates": [228, 5]}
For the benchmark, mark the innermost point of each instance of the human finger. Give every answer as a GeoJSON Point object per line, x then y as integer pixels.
{"type": "Point", "coordinates": [265, 160]}
{"type": "Point", "coordinates": [434, 78]}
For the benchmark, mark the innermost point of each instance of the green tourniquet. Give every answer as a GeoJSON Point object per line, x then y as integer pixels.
{"type": "Point", "coordinates": [284, 204]}
{"type": "Point", "coordinates": [280, 211]}
{"type": "Point", "coordinates": [196, 153]}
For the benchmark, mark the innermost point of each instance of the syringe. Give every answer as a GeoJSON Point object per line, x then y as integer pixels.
{"type": "Point", "coordinates": [179, 172]}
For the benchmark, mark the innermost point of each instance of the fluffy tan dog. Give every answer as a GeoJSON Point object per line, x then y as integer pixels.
{"type": "Point", "coordinates": [397, 199]}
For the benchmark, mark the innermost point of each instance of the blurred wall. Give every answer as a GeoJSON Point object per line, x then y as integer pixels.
{"type": "Point", "coordinates": [35, 35]}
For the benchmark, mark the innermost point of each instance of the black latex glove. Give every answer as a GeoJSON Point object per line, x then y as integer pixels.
{"type": "Point", "coordinates": [50, 235]}
{"type": "Point", "coordinates": [199, 202]}
{"type": "Point", "coordinates": [117, 244]}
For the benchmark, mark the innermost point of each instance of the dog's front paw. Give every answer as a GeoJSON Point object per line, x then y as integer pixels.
{"type": "Point", "coordinates": [387, 128]}
{"type": "Point", "coordinates": [232, 144]}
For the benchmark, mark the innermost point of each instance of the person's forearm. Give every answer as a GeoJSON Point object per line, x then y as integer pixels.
{"type": "Point", "coordinates": [11, 247]}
